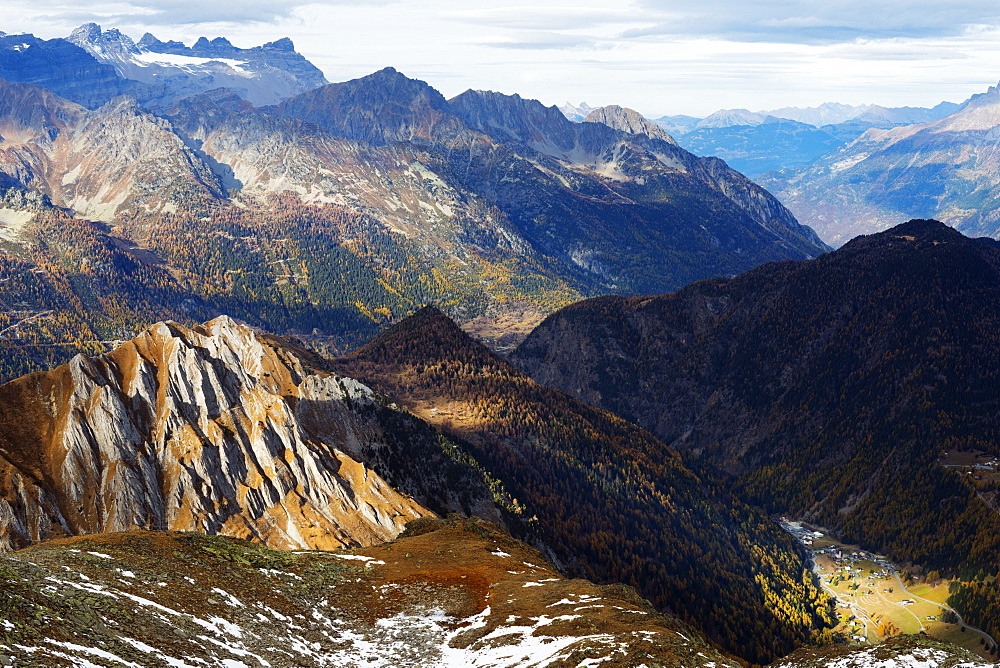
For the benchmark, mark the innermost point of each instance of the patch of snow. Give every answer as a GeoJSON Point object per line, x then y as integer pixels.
{"type": "Point", "coordinates": [93, 651]}
{"type": "Point", "coordinates": [847, 163]}
{"type": "Point", "coordinates": [369, 561]}
{"type": "Point", "coordinates": [143, 647]}
{"type": "Point", "coordinates": [147, 58]}
{"type": "Point", "coordinates": [278, 574]}
{"type": "Point", "coordinates": [101, 555]}
{"type": "Point", "coordinates": [218, 625]}
{"type": "Point", "coordinates": [232, 600]}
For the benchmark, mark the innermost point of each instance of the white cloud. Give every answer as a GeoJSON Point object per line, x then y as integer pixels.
{"type": "Point", "coordinates": [658, 56]}
{"type": "Point", "coordinates": [816, 22]}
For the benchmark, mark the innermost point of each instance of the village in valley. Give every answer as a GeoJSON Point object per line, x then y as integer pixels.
{"type": "Point", "coordinates": [877, 599]}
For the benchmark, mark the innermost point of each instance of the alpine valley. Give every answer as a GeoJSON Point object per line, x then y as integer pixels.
{"type": "Point", "coordinates": [297, 373]}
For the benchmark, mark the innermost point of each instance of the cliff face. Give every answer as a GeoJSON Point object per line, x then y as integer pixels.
{"type": "Point", "coordinates": [215, 430]}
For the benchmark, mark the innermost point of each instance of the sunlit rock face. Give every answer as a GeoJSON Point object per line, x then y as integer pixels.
{"type": "Point", "coordinates": [215, 429]}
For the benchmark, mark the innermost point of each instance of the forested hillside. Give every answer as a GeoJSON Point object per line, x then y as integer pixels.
{"type": "Point", "coordinates": [826, 389]}
{"type": "Point", "coordinates": [608, 500]}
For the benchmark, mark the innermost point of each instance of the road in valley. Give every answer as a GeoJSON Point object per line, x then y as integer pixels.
{"type": "Point", "coordinates": [986, 635]}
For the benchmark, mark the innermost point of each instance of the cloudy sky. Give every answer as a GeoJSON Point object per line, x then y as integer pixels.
{"type": "Point", "coordinates": [657, 56]}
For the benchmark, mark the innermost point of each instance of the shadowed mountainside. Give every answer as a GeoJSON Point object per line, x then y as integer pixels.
{"type": "Point", "coordinates": [828, 389]}
{"type": "Point", "coordinates": [607, 499]}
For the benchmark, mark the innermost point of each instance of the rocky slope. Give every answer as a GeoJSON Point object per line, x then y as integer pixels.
{"type": "Point", "coordinates": [446, 593]}
{"type": "Point", "coordinates": [827, 389]}
{"type": "Point", "coordinates": [898, 652]}
{"type": "Point", "coordinates": [608, 500]}
{"type": "Point", "coordinates": [217, 429]}
{"type": "Point", "coordinates": [100, 164]}
{"type": "Point", "coordinates": [942, 169]}
{"type": "Point", "coordinates": [628, 120]}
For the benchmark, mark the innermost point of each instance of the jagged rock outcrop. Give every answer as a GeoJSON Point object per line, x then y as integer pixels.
{"type": "Point", "coordinates": [628, 120]}
{"type": "Point", "coordinates": [219, 430]}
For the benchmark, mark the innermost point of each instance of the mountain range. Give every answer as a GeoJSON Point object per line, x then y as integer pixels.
{"type": "Point", "coordinates": [940, 169]}
{"type": "Point", "coordinates": [494, 207]}
{"type": "Point", "coordinates": [756, 143]}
